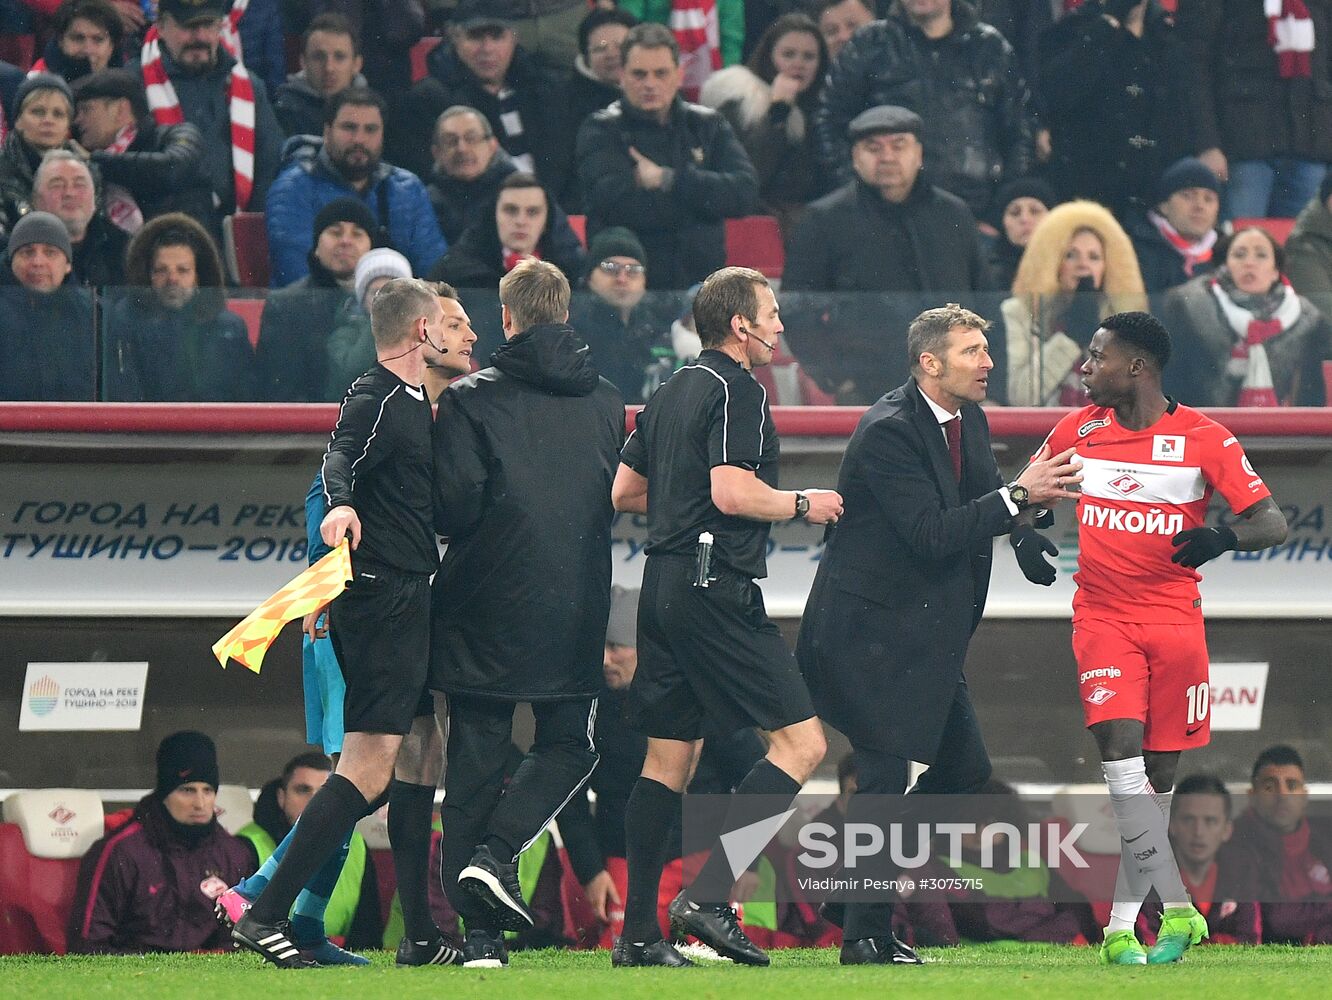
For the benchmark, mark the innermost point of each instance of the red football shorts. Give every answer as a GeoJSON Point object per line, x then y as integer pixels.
{"type": "Point", "coordinates": [1156, 674]}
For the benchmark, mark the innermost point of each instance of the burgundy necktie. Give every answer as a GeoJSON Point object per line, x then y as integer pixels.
{"type": "Point", "coordinates": [953, 430]}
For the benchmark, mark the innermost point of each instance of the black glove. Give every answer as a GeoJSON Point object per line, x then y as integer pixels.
{"type": "Point", "coordinates": [1119, 9]}
{"type": "Point", "coordinates": [1031, 548]}
{"type": "Point", "coordinates": [1198, 545]}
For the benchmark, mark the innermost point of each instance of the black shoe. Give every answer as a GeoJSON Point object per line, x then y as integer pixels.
{"type": "Point", "coordinates": [879, 951]}
{"type": "Point", "coordinates": [484, 951]}
{"type": "Point", "coordinates": [717, 927]}
{"type": "Point", "coordinates": [436, 951]}
{"type": "Point", "coordinates": [626, 955]}
{"type": "Point", "coordinates": [496, 886]}
{"type": "Point", "coordinates": [271, 942]}
{"type": "Point", "coordinates": [833, 912]}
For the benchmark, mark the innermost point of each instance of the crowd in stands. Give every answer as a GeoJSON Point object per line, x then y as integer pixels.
{"type": "Point", "coordinates": [1257, 866]}
{"type": "Point", "coordinates": [1043, 162]}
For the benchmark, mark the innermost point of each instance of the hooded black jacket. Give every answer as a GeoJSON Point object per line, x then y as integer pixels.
{"type": "Point", "coordinates": [525, 454]}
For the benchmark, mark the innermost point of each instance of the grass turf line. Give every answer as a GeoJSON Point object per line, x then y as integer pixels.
{"type": "Point", "coordinates": [987, 971]}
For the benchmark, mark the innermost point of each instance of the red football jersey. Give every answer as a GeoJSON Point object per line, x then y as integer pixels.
{"type": "Point", "coordinates": [1139, 489]}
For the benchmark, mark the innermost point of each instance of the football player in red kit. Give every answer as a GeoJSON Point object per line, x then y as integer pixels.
{"type": "Point", "coordinates": [1149, 469]}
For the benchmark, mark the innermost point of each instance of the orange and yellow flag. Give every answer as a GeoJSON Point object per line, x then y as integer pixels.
{"type": "Point", "coordinates": [249, 641]}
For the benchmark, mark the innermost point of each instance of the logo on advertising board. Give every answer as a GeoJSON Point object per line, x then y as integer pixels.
{"type": "Point", "coordinates": [88, 697]}
{"type": "Point", "coordinates": [43, 695]}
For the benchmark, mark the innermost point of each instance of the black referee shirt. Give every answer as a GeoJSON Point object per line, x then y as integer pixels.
{"type": "Point", "coordinates": [379, 463]}
{"type": "Point", "coordinates": [707, 414]}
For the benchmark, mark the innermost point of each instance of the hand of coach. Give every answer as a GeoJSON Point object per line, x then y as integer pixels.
{"type": "Point", "coordinates": [1048, 477]}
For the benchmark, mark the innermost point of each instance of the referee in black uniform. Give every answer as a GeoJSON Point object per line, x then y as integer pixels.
{"type": "Point", "coordinates": [378, 481]}
{"type": "Point", "coordinates": [702, 465]}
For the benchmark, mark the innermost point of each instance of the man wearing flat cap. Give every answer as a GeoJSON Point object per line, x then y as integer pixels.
{"type": "Point", "coordinates": [190, 76]}
{"type": "Point", "coordinates": [887, 230]}
{"type": "Point", "coordinates": [161, 166]}
{"type": "Point", "coordinates": [149, 884]}
{"type": "Point", "coordinates": [46, 321]}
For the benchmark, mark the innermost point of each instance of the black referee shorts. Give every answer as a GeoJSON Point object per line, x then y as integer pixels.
{"type": "Point", "coordinates": [380, 627]}
{"type": "Point", "coordinates": [710, 661]}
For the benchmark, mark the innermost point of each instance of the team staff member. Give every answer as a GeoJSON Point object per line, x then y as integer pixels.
{"type": "Point", "coordinates": [704, 459]}
{"type": "Point", "coordinates": [1150, 469]}
{"type": "Point", "coordinates": [902, 584]}
{"type": "Point", "coordinates": [525, 454]}
{"type": "Point", "coordinates": [379, 486]}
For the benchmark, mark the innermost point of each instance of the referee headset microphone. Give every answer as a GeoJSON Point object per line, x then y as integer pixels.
{"type": "Point", "coordinates": [748, 332]}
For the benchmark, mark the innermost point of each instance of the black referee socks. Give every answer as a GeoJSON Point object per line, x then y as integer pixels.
{"type": "Point", "coordinates": [409, 812]}
{"type": "Point", "coordinates": [322, 828]}
{"type": "Point", "coordinates": [715, 879]}
{"type": "Point", "coordinates": [649, 819]}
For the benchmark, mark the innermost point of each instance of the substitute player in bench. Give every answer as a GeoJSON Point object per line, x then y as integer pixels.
{"type": "Point", "coordinates": [1149, 468]}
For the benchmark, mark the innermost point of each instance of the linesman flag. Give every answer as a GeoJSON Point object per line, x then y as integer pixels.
{"type": "Point", "coordinates": [249, 641]}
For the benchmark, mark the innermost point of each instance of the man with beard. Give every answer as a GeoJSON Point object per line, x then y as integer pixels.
{"type": "Point", "coordinates": [349, 162]}
{"type": "Point", "coordinates": [148, 884]}
{"type": "Point", "coordinates": [191, 77]}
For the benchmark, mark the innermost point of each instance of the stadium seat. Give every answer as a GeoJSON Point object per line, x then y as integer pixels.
{"type": "Point", "coordinates": [18, 49]}
{"type": "Point", "coordinates": [245, 247]}
{"type": "Point", "coordinates": [291, 52]}
{"type": "Point", "coordinates": [252, 311]}
{"type": "Point", "coordinates": [419, 52]}
{"type": "Point", "coordinates": [787, 384]}
{"type": "Point", "coordinates": [755, 241]}
{"type": "Point", "coordinates": [1098, 844]}
{"type": "Point", "coordinates": [234, 807]}
{"type": "Point", "coordinates": [44, 835]}
{"type": "Point", "coordinates": [578, 223]}
{"type": "Point", "coordinates": [1278, 229]}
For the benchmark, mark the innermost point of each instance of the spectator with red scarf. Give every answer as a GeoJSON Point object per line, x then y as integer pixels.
{"type": "Point", "coordinates": [1175, 240]}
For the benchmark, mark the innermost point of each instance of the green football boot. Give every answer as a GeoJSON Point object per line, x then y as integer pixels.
{"type": "Point", "coordinates": [1181, 928]}
{"type": "Point", "coordinates": [1122, 948]}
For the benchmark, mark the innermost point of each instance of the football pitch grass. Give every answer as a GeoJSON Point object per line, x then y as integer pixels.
{"type": "Point", "coordinates": [973, 972]}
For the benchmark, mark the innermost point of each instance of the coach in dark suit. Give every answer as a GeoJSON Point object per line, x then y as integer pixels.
{"type": "Point", "coordinates": [902, 582]}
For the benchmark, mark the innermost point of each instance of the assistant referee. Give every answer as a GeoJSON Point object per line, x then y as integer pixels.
{"type": "Point", "coordinates": [703, 462]}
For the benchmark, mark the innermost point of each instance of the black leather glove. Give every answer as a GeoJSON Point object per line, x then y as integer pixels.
{"type": "Point", "coordinates": [1197, 545]}
{"type": "Point", "coordinates": [1031, 548]}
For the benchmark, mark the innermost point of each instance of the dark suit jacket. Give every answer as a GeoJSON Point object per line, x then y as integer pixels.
{"type": "Point", "coordinates": [903, 578]}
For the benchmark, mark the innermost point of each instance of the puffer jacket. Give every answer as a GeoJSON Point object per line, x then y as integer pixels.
{"type": "Point", "coordinates": [395, 196]}
{"type": "Point", "coordinates": [968, 88]}
{"type": "Point", "coordinates": [164, 170]}
{"type": "Point", "coordinates": [1237, 101]}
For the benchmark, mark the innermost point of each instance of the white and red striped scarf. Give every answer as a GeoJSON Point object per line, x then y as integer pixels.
{"type": "Point", "coordinates": [1248, 356]}
{"type": "Point", "coordinates": [698, 33]}
{"type": "Point", "coordinates": [165, 105]}
{"type": "Point", "coordinates": [1290, 32]}
{"type": "Point", "coordinates": [1194, 252]}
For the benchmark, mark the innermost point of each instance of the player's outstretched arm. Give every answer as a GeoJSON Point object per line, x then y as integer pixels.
{"type": "Point", "coordinates": [1260, 527]}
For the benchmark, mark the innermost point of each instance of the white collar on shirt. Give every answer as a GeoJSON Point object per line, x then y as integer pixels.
{"type": "Point", "coordinates": [940, 414]}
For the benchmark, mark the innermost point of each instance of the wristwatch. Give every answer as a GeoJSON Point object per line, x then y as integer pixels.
{"type": "Point", "coordinates": [802, 506]}
{"type": "Point", "coordinates": [1018, 495]}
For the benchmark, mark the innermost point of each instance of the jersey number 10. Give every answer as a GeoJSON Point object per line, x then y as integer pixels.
{"type": "Point", "coordinates": [1198, 695]}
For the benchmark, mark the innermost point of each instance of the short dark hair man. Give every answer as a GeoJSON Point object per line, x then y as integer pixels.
{"type": "Point", "coordinates": [670, 171]}
{"type": "Point", "coordinates": [350, 162]}
{"type": "Point", "coordinates": [1289, 852]}
{"type": "Point", "coordinates": [924, 240]}
{"type": "Point", "coordinates": [702, 465]}
{"type": "Point", "coordinates": [377, 480]}
{"type": "Point", "coordinates": [903, 580]}
{"type": "Point", "coordinates": [330, 63]}
{"type": "Point", "coordinates": [525, 452]}
{"type": "Point", "coordinates": [1149, 468]}
{"type": "Point", "coordinates": [161, 166]}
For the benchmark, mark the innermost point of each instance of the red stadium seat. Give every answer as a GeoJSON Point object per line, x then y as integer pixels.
{"type": "Point", "coordinates": [755, 241]}
{"type": "Point", "coordinates": [252, 311]}
{"type": "Point", "coordinates": [1278, 229]}
{"type": "Point", "coordinates": [245, 246]}
{"type": "Point", "coordinates": [419, 52]}
{"type": "Point", "coordinates": [291, 51]}
{"type": "Point", "coordinates": [787, 384]}
{"type": "Point", "coordinates": [18, 49]}
{"type": "Point", "coordinates": [578, 223]}
{"type": "Point", "coordinates": [45, 834]}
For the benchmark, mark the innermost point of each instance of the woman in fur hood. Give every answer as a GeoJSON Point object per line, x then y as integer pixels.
{"type": "Point", "coordinates": [770, 104]}
{"type": "Point", "coordinates": [1078, 268]}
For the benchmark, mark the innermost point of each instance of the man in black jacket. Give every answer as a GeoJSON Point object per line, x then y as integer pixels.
{"type": "Point", "coordinates": [670, 171]}
{"type": "Point", "coordinates": [63, 186]}
{"type": "Point", "coordinates": [888, 230]}
{"type": "Point", "coordinates": [1174, 240]}
{"type": "Point", "coordinates": [1112, 82]}
{"type": "Point", "coordinates": [902, 583]}
{"type": "Point", "coordinates": [525, 454]}
{"type": "Point", "coordinates": [160, 165]}
{"type": "Point", "coordinates": [958, 74]}
{"type": "Point", "coordinates": [484, 68]}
